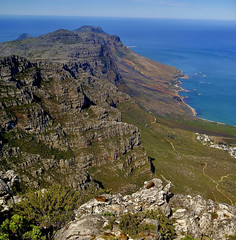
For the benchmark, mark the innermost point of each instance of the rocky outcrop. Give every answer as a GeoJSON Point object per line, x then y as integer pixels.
{"type": "Point", "coordinates": [199, 217]}
{"type": "Point", "coordinates": [194, 216]}
{"type": "Point", "coordinates": [93, 217]}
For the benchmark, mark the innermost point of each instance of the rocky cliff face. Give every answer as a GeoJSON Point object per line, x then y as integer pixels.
{"type": "Point", "coordinates": [58, 114]}
{"type": "Point", "coordinates": [193, 215]}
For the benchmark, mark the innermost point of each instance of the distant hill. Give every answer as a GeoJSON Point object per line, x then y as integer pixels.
{"type": "Point", "coordinates": [24, 36]}
{"type": "Point", "coordinates": [89, 29]}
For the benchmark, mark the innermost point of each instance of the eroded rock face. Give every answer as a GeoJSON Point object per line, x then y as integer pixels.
{"type": "Point", "coordinates": [60, 118]}
{"type": "Point", "coordinates": [194, 215]}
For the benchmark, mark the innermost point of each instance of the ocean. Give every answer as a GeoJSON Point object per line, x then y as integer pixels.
{"type": "Point", "coordinates": [203, 50]}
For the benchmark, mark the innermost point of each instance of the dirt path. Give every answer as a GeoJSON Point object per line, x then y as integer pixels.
{"type": "Point", "coordinates": [221, 180]}
{"type": "Point", "coordinates": [204, 173]}
{"type": "Point", "coordinates": [172, 145]}
{"type": "Point", "coordinates": [155, 120]}
{"type": "Point", "coordinates": [218, 183]}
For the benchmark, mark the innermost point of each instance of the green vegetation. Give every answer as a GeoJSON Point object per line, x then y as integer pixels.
{"type": "Point", "coordinates": [107, 214]}
{"type": "Point", "coordinates": [179, 157]}
{"type": "Point", "coordinates": [51, 207]}
{"type": "Point", "coordinates": [132, 224]}
{"type": "Point", "coordinates": [214, 215]}
{"type": "Point", "coordinates": [41, 213]}
{"type": "Point", "coordinates": [19, 228]}
{"type": "Point", "coordinates": [187, 237]}
{"type": "Point", "coordinates": [167, 229]}
{"type": "Point", "coordinates": [110, 223]}
{"type": "Point", "coordinates": [199, 125]}
{"type": "Point", "coordinates": [129, 224]}
{"type": "Point", "coordinates": [231, 237]}
{"type": "Point", "coordinates": [108, 236]}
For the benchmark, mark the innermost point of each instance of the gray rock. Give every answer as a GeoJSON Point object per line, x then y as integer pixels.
{"type": "Point", "coordinates": [194, 215]}
{"type": "Point", "coordinates": [198, 217]}
{"type": "Point", "coordinates": [9, 181]}
{"type": "Point", "coordinates": [4, 189]}
{"type": "Point", "coordinates": [82, 229]}
{"type": "Point", "coordinates": [90, 217]}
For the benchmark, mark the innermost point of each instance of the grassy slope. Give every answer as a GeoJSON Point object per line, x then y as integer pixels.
{"type": "Point", "coordinates": [193, 168]}
{"type": "Point", "coordinates": [153, 85]}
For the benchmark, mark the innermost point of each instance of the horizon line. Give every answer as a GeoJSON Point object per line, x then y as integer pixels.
{"type": "Point", "coordinates": [41, 15]}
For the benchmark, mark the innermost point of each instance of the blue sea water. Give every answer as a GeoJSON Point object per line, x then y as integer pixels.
{"type": "Point", "coordinates": [204, 50]}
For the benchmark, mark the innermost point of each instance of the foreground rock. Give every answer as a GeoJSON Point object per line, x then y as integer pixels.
{"type": "Point", "coordinates": [194, 216]}
{"type": "Point", "coordinates": [200, 218]}
{"type": "Point", "coordinates": [9, 183]}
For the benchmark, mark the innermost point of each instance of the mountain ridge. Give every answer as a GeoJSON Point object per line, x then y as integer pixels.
{"type": "Point", "coordinates": [70, 115]}
{"type": "Point", "coordinates": [138, 73]}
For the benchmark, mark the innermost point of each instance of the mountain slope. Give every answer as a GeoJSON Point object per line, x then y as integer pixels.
{"type": "Point", "coordinates": [58, 116]}
{"type": "Point", "coordinates": [152, 84]}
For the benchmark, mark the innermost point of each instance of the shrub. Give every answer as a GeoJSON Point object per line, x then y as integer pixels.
{"type": "Point", "coordinates": [214, 215]}
{"type": "Point", "coordinates": [49, 210]}
{"type": "Point", "coordinates": [166, 228]}
{"type": "Point", "coordinates": [132, 224]}
{"type": "Point", "coordinates": [110, 223]}
{"type": "Point", "coordinates": [18, 228]}
{"type": "Point", "coordinates": [129, 223]}
{"type": "Point", "coordinates": [187, 237]}
{"type": "Point", "coordinates": [52, 207]}
{"type": "Point", "coordinates": [231, 237]}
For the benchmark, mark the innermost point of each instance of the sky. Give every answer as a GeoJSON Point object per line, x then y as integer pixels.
{"type": "Point", "coordinates": [184, 9]}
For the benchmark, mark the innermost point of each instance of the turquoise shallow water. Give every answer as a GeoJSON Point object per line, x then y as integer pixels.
{"type": "Point", "coordinates": [204, 50]}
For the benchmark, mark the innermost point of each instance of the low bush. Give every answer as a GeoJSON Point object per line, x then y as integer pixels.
{"type": "Point", "coordinates": [19, 228]}
{"type": "Point", "coordinates": [41, 213]}
{"type": "Point", "coordinates": [132, 224]}
{"type": "Point", "coordinates": [166, 228]}
{"type": "Point", "coordinates": [187, 237]}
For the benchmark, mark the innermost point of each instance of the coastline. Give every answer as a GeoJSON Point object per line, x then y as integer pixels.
{"type": "Point", "coordinates": [181, 89]}
{"type": "Point", "coordinates": [192, 109]}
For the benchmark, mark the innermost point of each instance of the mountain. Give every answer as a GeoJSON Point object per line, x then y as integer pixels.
{"type": "Point", "coordinates": [153, 85]}
{"type": "Point", "coordinates": [24, 36]}
{"type": "Point", "coordinates": [79, 109]}
{"type": "Point", "coordinates": [61, 97]}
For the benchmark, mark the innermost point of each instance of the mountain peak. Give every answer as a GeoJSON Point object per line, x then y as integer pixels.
{"type": "Point", "coordinates": [87, 28]}
{"type": "Point", "coordinates": [24, 36]}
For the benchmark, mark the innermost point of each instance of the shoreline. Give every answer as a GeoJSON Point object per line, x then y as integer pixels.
{"type": "Point", "coordinates": [192, 109]}
{"type": "Point", "coordinates": [181, 89]}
